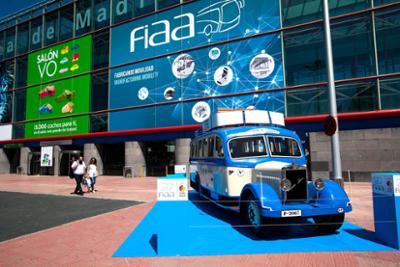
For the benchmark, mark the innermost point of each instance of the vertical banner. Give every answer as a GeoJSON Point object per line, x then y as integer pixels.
{"type": "Point", "coordinates": [191, 85]}
{"type": "Point", "coordinates": [55, 93]}
{"type": "Point", "coordinates": [46, 156]}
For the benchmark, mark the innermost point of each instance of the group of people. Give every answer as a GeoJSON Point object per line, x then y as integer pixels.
{"type": "Point", "coordinates": [84, 174]}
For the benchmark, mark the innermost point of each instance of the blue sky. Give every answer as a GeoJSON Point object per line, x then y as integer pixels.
{"type": "Point", "coordinates": [8, 7]}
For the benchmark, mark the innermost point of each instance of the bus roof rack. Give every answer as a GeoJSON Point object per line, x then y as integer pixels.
{"type": "Point", "coordinates": [234, 117]}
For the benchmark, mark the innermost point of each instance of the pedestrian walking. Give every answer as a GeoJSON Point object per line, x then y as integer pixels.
{"type": "Point", "coordinates": [79, 169]}
{"type": "Point", "coordinates": [87, 180]}
{"type": "Point", "coordinates": [93, 172]}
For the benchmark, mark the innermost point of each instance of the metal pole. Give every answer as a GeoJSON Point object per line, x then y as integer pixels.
{"type": "Point", "coordinates": [335, 146]}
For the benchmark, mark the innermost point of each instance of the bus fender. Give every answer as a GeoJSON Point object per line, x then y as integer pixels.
{"type": "Point", "coordinates": [264, 193]}
{"type": "Point", "coordinates": [332, 194]}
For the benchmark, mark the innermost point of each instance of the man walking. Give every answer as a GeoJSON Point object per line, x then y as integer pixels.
{"type": "Point", "coordinates": [79, 169]}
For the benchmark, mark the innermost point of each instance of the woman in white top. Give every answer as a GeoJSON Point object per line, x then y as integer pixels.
{"type": "Point", "coordinates": [92, 170]}
{"type": "Point", "coordinates": [78, 167]}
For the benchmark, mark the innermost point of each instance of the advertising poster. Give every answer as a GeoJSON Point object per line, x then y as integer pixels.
{"type": "Point", "coordinates": [46, 156]}
{"type": "Point", "coordinates": [192, 85]}
{"type": "Point", "coordinates": [60, 61]}
{"type": "Point", "coordinates": [62, 98]}
{"type": "Point", "coordinates": [192, 25]}
{"type": "Point", "coordinates": [6, 79]}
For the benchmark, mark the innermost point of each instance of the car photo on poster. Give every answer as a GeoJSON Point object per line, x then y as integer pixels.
{"type": "Point", "coordinates": [201, 111]}
{"type": "Point", "coordinates": [261, 66]}
{"type": "Point", "coordinates": [221, 16]}
{"type": "Point", "coordinates": [223, 76]}
{"type": "Point", "coordinates": [183, 66]}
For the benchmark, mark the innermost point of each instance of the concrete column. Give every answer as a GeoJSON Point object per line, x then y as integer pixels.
{"type": "Point", "coordinates": [56, 156]}
{"type": "Point", "coordinates": [90, 150]}
{"type": "Point", "coordinates": [182, 151]}
{"type": "Point", "coordinates": [134, 157]}
{"type": "Point", "coordinates": [23, 159]}
{"type": "Point", "coordinates": [4, 163]}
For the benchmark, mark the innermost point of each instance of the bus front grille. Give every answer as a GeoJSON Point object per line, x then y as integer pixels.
{"type": "Point", "coordinates": [298, 179]}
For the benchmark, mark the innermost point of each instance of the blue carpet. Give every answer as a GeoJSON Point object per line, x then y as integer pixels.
{"type": "Point", "coordinates": [199, 228]}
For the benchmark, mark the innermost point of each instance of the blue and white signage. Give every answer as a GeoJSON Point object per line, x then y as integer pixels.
{"type": "Point", "coordinates": [198, 23]}
{"type": "Point", "coordinates": [197, 82]}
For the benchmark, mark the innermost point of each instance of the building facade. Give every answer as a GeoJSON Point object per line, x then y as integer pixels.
{"type": "Point", "coordinates": [130, 81]}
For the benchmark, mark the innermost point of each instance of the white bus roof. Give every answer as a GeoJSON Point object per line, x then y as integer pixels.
{"type": "Point", "coordinates": [244, 117]}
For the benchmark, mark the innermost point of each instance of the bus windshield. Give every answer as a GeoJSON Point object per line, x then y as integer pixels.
{"type": "Point", "coordinates": [247, 147]}
{"type": "Point", "coordinates": [283, 146]}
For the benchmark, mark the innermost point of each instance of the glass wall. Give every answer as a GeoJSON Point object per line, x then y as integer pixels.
{"type": "Point", "coordinates": [387, 23]}
{"type": "Point", "coordinates": [123, 10]}
{"type": "Point", "coordinates": [301, 11]}
{"type": "Point", "coordinates": [21, 71]}
{"type": "Point", "coordinates": [101, 13]}
{"type": "Point", "coordinates": [100, 49]}
{"type": "Point", "coordinates": [143, 7]}
{"type": "Point", "coordinates": [36, 33]}
{"type": "Point", "coordinates": [23, 38]}
{"type": "Point", "coordinates": [166, 3]}
{"type": "Point", "coordinates": [390, 93]}
{"type": "Point", "coordinates": [308, 101]}
{"type": "Point", "coordinates": [10, 42]}
{"type": "Point", "coordinates": [354, 49]}
{"type": "Point", "coordinates": [66, 22]}
{"type": "Point", "coordinates": [304, 55]}
{"type": "Point", "coordinates": [2, 45]}
{"type": "Point", "coordinates": [356, 96]}
{"type": "Point", "coordinates": [84, 17]}
{"type": "Point", "coordinates": [51, 31]}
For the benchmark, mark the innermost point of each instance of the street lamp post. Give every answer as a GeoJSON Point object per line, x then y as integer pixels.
{"type": "Point", "coordinates": [335, 145]}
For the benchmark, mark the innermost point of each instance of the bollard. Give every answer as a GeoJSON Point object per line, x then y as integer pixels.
{"type": "Point", "coordinates": [386, 201]}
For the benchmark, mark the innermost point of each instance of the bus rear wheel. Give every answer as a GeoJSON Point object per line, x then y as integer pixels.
{"type": "Point", "coordinates": [196, 184]}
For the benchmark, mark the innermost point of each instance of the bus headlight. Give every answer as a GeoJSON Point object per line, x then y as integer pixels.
{"type": "Point", "coordinates": [286, 184]}
{"type": "Point", "coordinates": [319, 184]}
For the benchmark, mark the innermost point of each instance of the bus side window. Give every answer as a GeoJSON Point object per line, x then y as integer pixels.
{"type": "Point", "coordinates": [196, 149]}
{"type": "Point", "coordinates": [204, 147]}
{"type": "Point", "coordinates": [219, 148]}
{"type": "Point", "coordinates": [211, 147]}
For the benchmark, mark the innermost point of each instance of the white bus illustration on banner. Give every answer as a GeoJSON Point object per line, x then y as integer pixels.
{"type": "Point", "coordinates": [220, 17]}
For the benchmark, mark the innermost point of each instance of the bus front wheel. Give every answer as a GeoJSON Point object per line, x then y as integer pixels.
{"type": "Point", "coordinates": [251, 214]}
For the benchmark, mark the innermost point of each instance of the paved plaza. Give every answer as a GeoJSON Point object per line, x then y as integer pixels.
{"type": "Point", "coordinates": [91, 238]}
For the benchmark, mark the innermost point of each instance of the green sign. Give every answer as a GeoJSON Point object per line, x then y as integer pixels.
{"type": "Point", "coordinates": [62, 98]}
{"type": "Point", "coordinates": [60, 61]}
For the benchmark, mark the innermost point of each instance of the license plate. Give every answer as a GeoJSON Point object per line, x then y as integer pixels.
{"type": "Point", "coordinates": [291, 213]}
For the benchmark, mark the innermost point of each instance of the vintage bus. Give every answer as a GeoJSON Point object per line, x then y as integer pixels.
{"type": "Point", "coordinates": [248, 162]}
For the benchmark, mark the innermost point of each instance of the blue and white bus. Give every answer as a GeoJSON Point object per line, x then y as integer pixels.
{"type": "Point", "coordinates": [248, 162]}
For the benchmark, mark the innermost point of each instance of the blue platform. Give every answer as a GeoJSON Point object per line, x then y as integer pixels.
{"type": "Point", "coordinates": [199, 228]}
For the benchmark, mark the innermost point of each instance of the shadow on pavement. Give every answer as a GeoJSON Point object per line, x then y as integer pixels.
{"type": "Point", "coordinates": [28, 213]}
{"type": "Point", "coordinates": [275, 229]}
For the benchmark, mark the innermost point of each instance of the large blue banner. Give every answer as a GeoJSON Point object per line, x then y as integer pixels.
{"type": "Point", "coordinates": [199, 23]}
{"type": "Point", "coordinates": [189, 86]}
